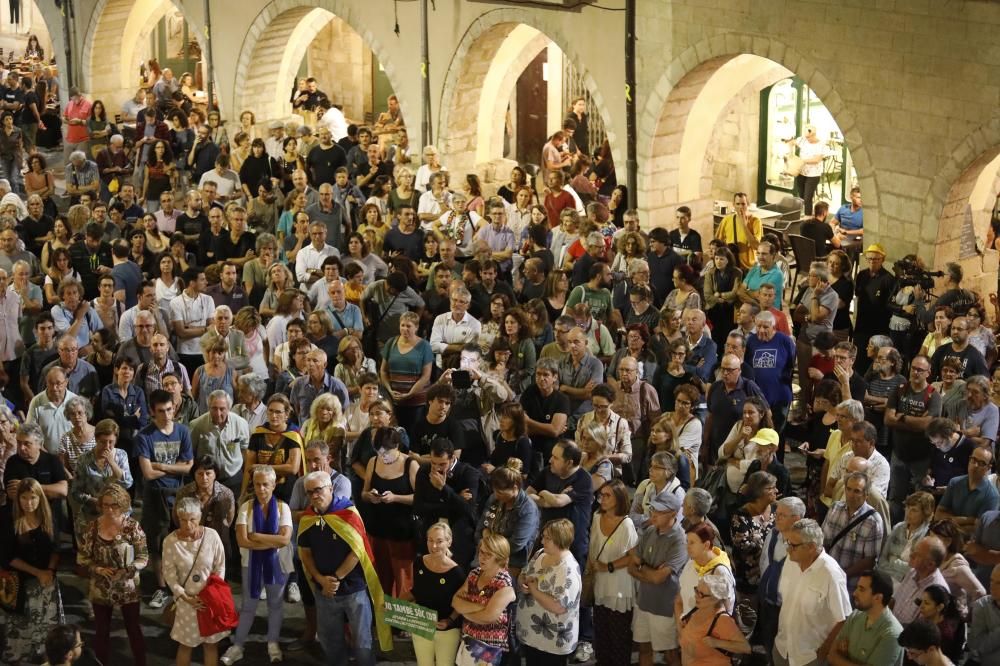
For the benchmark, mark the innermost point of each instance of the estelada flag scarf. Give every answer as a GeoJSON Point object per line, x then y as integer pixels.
{"type": "Point", "coordinates": [346, 522]}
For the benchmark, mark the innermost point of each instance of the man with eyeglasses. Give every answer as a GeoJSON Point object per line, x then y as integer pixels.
{"type": "Point", "coordinates": [853, 531]}
{"type": "Point", "coordinates": [972, 360]}
{"type": "Point", "coordinates": [970, 495]}
{"type": "Point", "coordinates": [318, 459]}
{"type": "Point", "coordinates": [333, 546]}
{"type": "Point", "coordinates": [950, 459]}
{"type": "Point", "coordinates": [814, 599]}
{"type": "Point", "coordinates": [639, 404]}
{"type": "Point", "coordinates": [81, 376]}
{"type": "Point", "coordinates": [725, 402]}
{"type": "Point", "coordinates": [453, 330]}
{"type": "Point", "coordinates": [558, 349]}
{"type": "Point", "coordinates": [498, 236]}
{"type": "Point", "coordinates": [773, 557]}
{"type": "Point", "coordinates": [874, 287]}
{"type": "Point", "coordinates": [908, 412]}
{"type": "Point", "coordinates": [63, 645]}
{"type": "Point", "coordinates": [137, 348]}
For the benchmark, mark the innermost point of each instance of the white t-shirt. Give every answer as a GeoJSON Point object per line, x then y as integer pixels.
{"type": "Point", "coordinates": [245, 517]}
{"type": "Point", "coordinates": [193, 312]}
{"type": "Point", "coordinates": [808, 150]}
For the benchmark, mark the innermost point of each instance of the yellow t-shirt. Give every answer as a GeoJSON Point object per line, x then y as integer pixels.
{"type": "Point", "coordinates": [730, 231]}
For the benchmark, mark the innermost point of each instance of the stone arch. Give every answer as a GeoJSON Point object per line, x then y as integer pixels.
{"type": "Point", "coordinates": [265, 75]}
{"type": "Point", "coordinates": [117, 28]}
{"type": "Point", "coordinates": [949, 216]}
{"type": "Point", "coordinates": [475, 93]}
{"type": "Point", "coordinates": [663, 126]}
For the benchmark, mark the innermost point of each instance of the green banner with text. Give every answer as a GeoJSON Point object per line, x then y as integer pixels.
{"type": "Point", "coordinates": [410, 617]}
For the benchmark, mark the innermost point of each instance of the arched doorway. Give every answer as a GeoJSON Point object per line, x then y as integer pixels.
{"type": "Point", "coordinates": [312, 39]}
{"type": "Point", "coordinates": [716, 125]}
{"type": "Point", "coordinates": [956, 223]}
{"type": "Point", "coordinates": [124, 34]}
{"type": "Point", "coordinates": [508, 88]}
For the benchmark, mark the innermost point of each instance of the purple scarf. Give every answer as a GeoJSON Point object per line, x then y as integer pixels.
{"type": "Point", "coordinates": [264, 567]}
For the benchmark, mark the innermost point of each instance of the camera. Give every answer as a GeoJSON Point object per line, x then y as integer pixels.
{"type": "Point", "coordinates": [909, 273]}
{"type": "Point", "coordinates": [461, 379]}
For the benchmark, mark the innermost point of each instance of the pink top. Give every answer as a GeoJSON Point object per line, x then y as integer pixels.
{"type": "Point", "coordinates": [78, 109]}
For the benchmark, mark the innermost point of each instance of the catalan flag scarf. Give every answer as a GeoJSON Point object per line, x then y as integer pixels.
{"type": "Point", "coordinates": [343, 518]}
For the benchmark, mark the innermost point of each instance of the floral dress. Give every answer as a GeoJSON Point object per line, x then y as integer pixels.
{"type": "Point", "coordinates": [748, 534]}
{"type": "Point", "coordinates": [541, 629]}
{"type": "Point", "coordinates": [127, 550]}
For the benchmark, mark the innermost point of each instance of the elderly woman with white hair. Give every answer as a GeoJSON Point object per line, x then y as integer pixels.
{"type": "Point", "coordinates": [250, 391]}
{"type": "Point", "coordinates": [708, 635]}
{"type": "Point", "coordinates": [191, 554]}
{"type": "Point", "coordinates": [264, 534]}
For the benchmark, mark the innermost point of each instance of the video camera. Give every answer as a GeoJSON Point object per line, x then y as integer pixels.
{"type": "Point", "coordinates": [910, 273]}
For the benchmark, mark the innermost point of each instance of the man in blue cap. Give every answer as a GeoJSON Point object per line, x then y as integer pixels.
{"type": "Point", "coordinates": [656, 564]}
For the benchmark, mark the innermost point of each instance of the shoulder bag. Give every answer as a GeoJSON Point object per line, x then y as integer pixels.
{"type": "Point", "coordinates": [850, 526]}
{"type": "Point", "coordinates": [169, 613]}
{"type": "Point", "coordinates": [589, 576]}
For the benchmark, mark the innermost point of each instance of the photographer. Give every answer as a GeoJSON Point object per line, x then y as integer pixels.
{"type": "Point", "coordinates": [476, 394]}
{"type": "Point", "coordinates": [958, 299]}
{"type": "Point", "coordinates": [909, 298]}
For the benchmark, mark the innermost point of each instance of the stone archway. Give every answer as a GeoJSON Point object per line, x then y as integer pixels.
{"type": "Point", "coordinates": [276, 43]}
{"type": "Point", "coordinates": [110, 59]}
{"type": "Point", "coordinates": [954, 226]}
{"type": "Point", "coordinates": [481, 77]}
{"type": "Point", "coordinates": [692, 89]}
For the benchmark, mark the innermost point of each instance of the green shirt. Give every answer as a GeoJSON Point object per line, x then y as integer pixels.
{"type": "Point", "coordinates": [875, 645]}
{"type": "Point", "coordinates": [599, 301]}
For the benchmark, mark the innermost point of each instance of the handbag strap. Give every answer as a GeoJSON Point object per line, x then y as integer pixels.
{"type": "Point", "coordinates": [607, 539]}
{"type": "Point", "coordinates": [850, 526]}
{"type": "Point", "coordinates": [194, 562]}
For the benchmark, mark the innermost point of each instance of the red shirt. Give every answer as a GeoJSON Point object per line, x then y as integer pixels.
{"type": "Point", "coordinates": [555, 203]}
{"type": "Point", "coordinates": [77, 110]}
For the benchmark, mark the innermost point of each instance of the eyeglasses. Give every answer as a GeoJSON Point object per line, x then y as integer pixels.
{"type": "Point", "coordinates": [682, 402]}
{"type": "Point", "coordinates": [914, 368]}
{"type": "Point", "coordinates": [789, 546]}
{"type": "Point", "coordinates": [724, 369]}
{"type": "Point", "coordinates": [979, 462]}
{"type": "Point", "coordinates": [317, 490]}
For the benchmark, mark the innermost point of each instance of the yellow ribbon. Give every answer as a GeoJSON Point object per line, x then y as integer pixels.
{"type": "Point", "coordinates": [423, 69]}
{"type": "Point", "coordinates": [346, 532]}
{"type": "Point", "coordinates": [628, 93]}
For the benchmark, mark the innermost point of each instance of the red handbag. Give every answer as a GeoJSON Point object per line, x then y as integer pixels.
{"type": "Point", "coordinates": [219, 612]}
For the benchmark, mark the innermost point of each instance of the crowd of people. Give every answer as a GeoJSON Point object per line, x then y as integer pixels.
{"type": "Point", "coordinates": [337, 372]}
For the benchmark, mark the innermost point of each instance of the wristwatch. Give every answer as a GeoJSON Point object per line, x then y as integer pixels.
{"type": "Point", "coordinates": [611, 567]}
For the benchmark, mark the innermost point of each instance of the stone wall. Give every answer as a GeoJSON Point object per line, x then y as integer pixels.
{"type": "Point", "coordinates": [337, 59]}
{"type": "Point", "coordinates": [914, 85]}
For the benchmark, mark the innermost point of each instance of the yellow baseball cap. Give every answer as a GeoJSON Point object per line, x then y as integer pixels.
{"type": "Point", "coordinates": [765, 437]}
